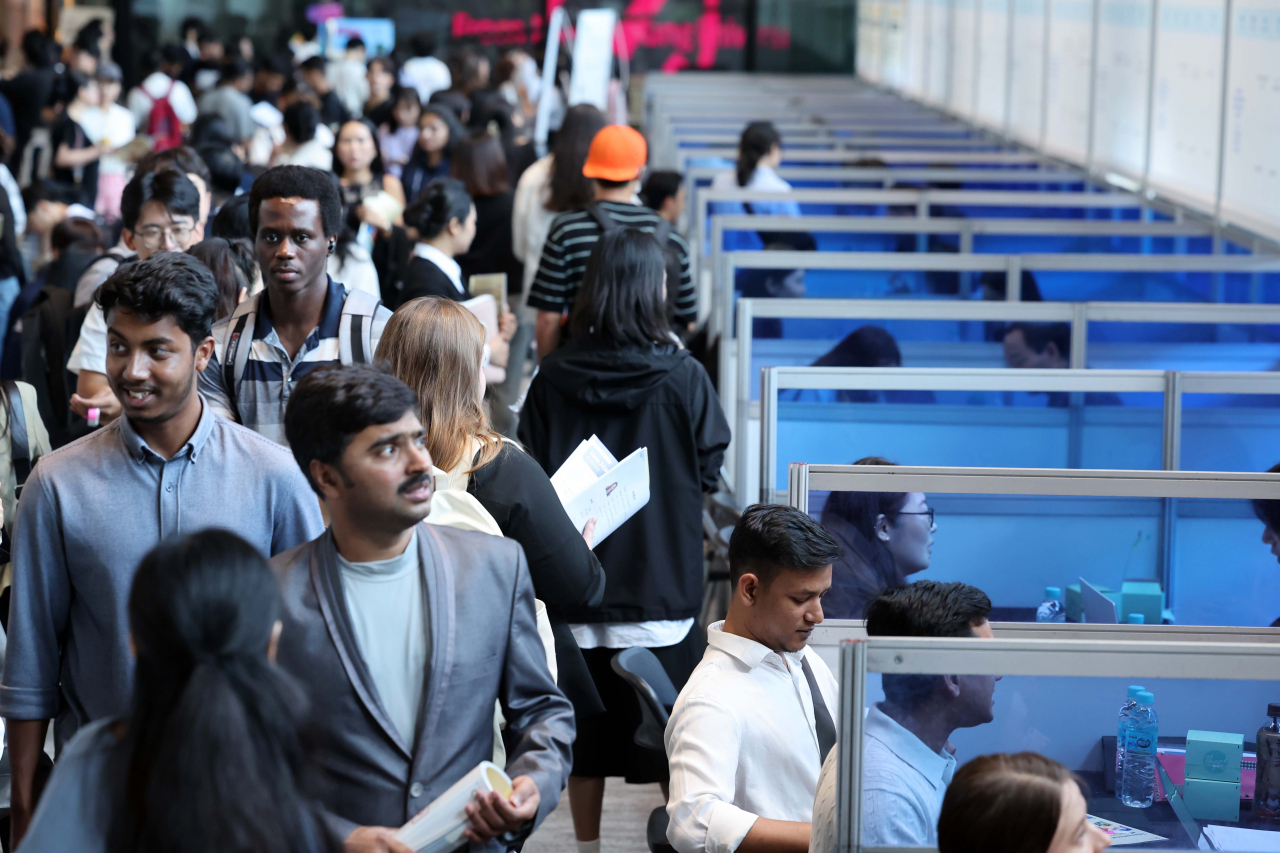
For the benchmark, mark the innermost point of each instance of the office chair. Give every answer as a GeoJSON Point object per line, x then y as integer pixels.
{"type": "Point", "coordinates": [657, 695]}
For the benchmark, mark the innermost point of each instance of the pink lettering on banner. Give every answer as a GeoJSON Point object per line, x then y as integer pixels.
{"type": "Point", "coordinates": [490, 31]}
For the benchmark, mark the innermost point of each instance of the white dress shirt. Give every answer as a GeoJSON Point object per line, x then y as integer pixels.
{"type": "Point", "coordinates": [903, 783]}
{"type": "Point", "coordinates": [742, 742]}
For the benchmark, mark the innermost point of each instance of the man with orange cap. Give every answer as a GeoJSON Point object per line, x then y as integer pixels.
{"type": "Point", "coordinates": [616, 163]}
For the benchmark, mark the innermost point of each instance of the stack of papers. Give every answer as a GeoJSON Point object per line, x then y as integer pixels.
{"type": "Point", "coordinates": [593, 484]}
{"type": "Point", "coordinates": [1121, 834]}
{"type": "Point", "coordinates": [439, 827]}
{"type": "Point", "coordinates": [1240, 840]}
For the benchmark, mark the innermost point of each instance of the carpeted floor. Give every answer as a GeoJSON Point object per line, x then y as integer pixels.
{"type": "Point", "coordinates": [626, 812]}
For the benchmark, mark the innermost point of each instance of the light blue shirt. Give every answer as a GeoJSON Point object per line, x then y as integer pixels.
{"type": "Point", "coordinates": [903, 783]}
{"type": "Point", "coordinates": [82, 797]}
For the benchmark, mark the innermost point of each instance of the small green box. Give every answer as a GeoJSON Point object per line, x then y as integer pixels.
{"type": "Point", "coordinates": [1143, 597]}
{"type": "Point", "coordinates": [1212, 800]}
{"type": "Point", "coordinates": [1075, 605]}
{"type": "Point", "coordinates": [1214, 756]}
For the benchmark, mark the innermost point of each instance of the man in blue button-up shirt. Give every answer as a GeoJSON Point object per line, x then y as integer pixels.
{"type": "Point", "coordinates": [91, 510]}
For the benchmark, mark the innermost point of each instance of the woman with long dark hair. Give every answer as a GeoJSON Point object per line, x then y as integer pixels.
{"type": "Point", "coordinates": [232, 263]}
{"type": "Point", "coordinates": [439, 132]}
{"type": "Point", "coordinates": [759, 155]}
{"type": "Point", "coordinates": [209, 757]}
{"type": "Point", "coordinates": [553, 185]}
{"type": "Point", "coordinates": [886, 536]}
{"type": "Point", "coordinates": [624, 378]}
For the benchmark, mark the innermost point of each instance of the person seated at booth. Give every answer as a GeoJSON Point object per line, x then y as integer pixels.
{"type": "Point", "coordinates": [886, 537]}
{"type": "Point", "coordinates": [865, 346]}
{"type": "Point", "coordinates": [1021, 803]}
{"type": "Point", "coordinates": [1047, 346]}
{"type": "Point", "coordinates": [1268, 512]}
{"type": "Point", "coordinates": [908, 760]}
{"type": "Point", "coordinates": [751, 727]}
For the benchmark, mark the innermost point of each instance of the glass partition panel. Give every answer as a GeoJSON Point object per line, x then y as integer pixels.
{"type": "Point", "coordinates": [1070, 719]}
{"type": "Point", "coordinates": [1183, 346]}
{"type": "Point", "coordinates": [1230, 432]}
{"type": "Point", "coordinates": [1166, 554]}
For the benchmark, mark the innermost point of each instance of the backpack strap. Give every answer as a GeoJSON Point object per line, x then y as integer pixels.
{"type": "Point", "coordinates": [358, 308]}
{"type": "Point", "coordinates": [234, 356]}
{"type": "Point", "coordinates": [19, 443]}
{"type": "Point", "coordinates": [601, 216]}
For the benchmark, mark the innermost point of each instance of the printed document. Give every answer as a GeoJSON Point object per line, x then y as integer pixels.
{"type": "Point", "coordinates": [592, 483]}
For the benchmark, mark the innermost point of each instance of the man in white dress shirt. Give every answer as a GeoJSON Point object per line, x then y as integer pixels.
{"type": "Point", "coordinates": [751, 727]}
{"type": "Point", "coordinates": [907, 758]}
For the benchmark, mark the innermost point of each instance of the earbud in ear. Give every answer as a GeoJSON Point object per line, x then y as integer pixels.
{"type": "Point", "coordinates": [333, 244]}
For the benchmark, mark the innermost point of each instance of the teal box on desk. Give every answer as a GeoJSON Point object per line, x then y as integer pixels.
{"type": "Point", "coordinates": [1212, 800]}
{"type": "Point", "coordinates": [1214, 756]}
{"type": "Point", "coordinates": [1143, 597]}
{"type": "Point", "coordinates": [1075, 604]}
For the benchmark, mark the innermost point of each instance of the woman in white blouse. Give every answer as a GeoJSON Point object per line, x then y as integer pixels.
{"type": "Point", "coordinates": [759, 155]}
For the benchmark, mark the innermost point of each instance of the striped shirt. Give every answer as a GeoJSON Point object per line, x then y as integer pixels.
{"type": "Point", "coordinates": [269, 374]}
{"type": "Point", "coordinates": [569, 242]}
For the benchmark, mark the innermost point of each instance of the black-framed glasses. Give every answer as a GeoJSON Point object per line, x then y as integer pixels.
{"type": "Point", "coordinates": [928, 512]}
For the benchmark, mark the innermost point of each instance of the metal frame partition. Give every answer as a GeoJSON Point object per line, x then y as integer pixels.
{"type": "Point", "coordinates": [1169, 486]}
{"type": "Point", "coordinates": [953, 379]}
{"type": "Point", "coordinates": [735, 380]}
{"type": "Point", "coordinates": [999, 159]}
{"type": "Point", "coordinates": [1239, 661]}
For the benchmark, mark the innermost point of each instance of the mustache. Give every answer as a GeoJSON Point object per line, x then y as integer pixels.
{"type": "Point", "coordinates": [413, 483]}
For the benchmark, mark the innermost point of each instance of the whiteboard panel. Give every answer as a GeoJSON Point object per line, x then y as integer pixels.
{"type": "Point", "coordinates": [1026, 74]}
{"type": "Point", "coordinates": [1190, 38]}
{"type": "Point", "coordinates": [1123, 83]}
{"type": "Point", "coordinates": [893, 59]}
{"type": "Point", "coordinates": [917, 45]}
{"type": "Point", "coordinates": [868, 63]}
{"type": "Point", "coordinates": [993, 63]}
{"type": "Point", "coordinates": [1251, 162]}
{"type": "Point", "coordinates": [964, 27]}
{"type": "Point", "coordinates": [1067, 90]}
{"type": "Point", "coordinates": [939, 62]}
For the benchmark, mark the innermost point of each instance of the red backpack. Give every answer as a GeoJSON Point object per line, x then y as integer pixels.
{"type": "Point", "coordinates": [162, 124]}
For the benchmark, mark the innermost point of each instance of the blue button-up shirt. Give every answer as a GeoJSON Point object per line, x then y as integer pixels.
{"type": "Point", "coordinates": [89, 513]}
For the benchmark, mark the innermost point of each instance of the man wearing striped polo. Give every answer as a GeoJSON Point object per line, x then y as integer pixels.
{"type": "Point", "coordinates": [616, 162]}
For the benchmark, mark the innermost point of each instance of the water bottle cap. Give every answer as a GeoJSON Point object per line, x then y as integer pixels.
{"type": "Point", "coordinates": [1134, 690]}
{"type": "Point", "coordinates": [1053, 592]}
{"type": "Point", "coordinates": [1273, 709]}
{"type": "Point", "coordinates": [1137, 619]}
{"type": "Point", "coordinates": [1144, 697]}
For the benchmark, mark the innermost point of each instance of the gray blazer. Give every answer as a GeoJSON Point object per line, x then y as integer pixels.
{"type": "Point", "coordinates": [484, 646]}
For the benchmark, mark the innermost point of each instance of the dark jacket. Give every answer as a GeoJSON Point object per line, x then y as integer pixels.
{"type": "Point", "coordinates": [423, 278]}
{"type": "Point", "coordinates": [632, 397]}
{"type": "Point", "coordinates": [566, 574]}
{"type": "Point", "coordinates": [491, 250]}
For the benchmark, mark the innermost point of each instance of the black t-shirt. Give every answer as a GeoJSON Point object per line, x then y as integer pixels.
{"type": "Point", "coordinates": [79, 184]}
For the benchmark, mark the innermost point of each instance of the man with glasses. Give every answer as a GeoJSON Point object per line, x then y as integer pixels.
{"type": "Point", "coordinates": [160, 212]}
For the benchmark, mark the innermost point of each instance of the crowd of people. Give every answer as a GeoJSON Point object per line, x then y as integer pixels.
{"type": "Point", "coordinates": [287, 558]}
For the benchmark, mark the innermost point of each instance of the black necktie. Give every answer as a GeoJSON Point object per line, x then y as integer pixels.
{"type": "Point", "coordinates": [821, 716]}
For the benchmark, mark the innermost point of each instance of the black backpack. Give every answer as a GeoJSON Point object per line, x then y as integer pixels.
{"type": "Point", "coordinates": [50, 329]}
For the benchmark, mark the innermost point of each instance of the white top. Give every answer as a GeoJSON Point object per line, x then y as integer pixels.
{"type": "Point", "coordinates": [10, 186]}
{"type": "Point", "coordinates": [530, 219]}
{"type": "Point", "coordinates": [113, 126]}
{"type": "Point", "coordinates": [155, 86]}
{"type": "Point", "coordinates": [349, 80]}
{"type": "Point", "coordinates": [90, 351]}
{"type": "Point", "coordinates": [623, 635]}
{"type": "Point", "coordinates": [763, 178]}
{"type": "Point", "coordinates": [387, 604]}
{"type": "Point", "coordinates": [446, 264]}
{"type": "Point", "coordinates": [903, 783]}
{"type": "Point", "coordinates": [314, 153]}
{"type": "Point", "coordinates": [426, 74]}
{"type": "Point", "coordinates": [355, 270]}
{"type": "Point", "coordinates": [742, 742]}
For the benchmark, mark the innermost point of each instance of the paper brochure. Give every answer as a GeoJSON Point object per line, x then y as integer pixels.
{"type": "Point", "coordinates": [1121, 834]}
{"type": "Point", "coordinates": [439, 827]}
{"type": "Point", "coordinates": [592, 483]}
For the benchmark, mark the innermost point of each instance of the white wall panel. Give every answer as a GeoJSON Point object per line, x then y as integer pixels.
{"type": "Point", "coordinates": [939, 61]}
{"type": "Point", "coordinates": [1122, 86]}
{"type": "Point", "coordinates": [1026, 71]}
{"type": "Point", "coordinates": [916, 22]}
{"type": "Point", "coordinates": [964, 31]}
{"type": "Point", "coordinates": [993, 63]}
{"type": "Point", "coordinates": [1067, 95]}
{"type": "Point", "coordinates": [1187, 107]}
{"type": "Point", "coordinates": [1251, 161]}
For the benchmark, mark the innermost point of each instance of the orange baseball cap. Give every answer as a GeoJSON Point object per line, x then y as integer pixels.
{"type": "Point", "coordinates": [617, 153]}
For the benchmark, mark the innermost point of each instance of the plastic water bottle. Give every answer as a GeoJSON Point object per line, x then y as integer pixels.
{"type": "Point", "coordinates": [1129, 704]}
{"type": "Point", "coordinates": [1138, 772]}
{"type": "Point", "coordinates": [1051, 609]}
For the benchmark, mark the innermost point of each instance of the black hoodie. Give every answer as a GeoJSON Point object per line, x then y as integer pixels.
{"type": "Point", "coordinates": [633, 397]}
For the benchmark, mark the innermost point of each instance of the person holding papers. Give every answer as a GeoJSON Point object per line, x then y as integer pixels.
{"type": "Point", "coordinates": [435, 346]}
{"type": "Point", "coordinates": [624, 379]}
{"type": "Point", "coordinates": [209, 755]}
{"type": "Point", "coordinates": [405, 634]}
{"type": "Point", "coordinates": [749, 732]}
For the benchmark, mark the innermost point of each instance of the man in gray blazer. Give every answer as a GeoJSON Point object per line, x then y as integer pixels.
{"type": "Point", "coordinates": [406, 633]}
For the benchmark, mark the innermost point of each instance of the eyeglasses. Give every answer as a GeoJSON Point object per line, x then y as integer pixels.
{"type": "Point", "coordinates": [928, 512]}
{"type": "Point", "coordinates": [152, 236]}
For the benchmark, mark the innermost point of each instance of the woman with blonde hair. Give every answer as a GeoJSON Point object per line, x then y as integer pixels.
{"type": "Point", "coordinates": [437, 348]}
